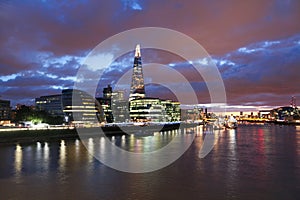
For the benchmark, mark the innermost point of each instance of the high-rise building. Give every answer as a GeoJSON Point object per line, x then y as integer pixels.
{"type": "Point", "coordinates": [119, 106]}
{"type": "Point", "coordinates": [143, 109]}
{"type": "Point", "coordinates": [105, 103]}
{"type": "Point", "coordinates": [51, 104]}
{"type": "Point", "coordinates": [107, 92]}
{"type": "Point", "coordinates": [114, 106]}
{"type": "Point", "coordinates": [137, 89]}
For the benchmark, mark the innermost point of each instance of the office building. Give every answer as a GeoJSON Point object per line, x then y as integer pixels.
{"type": "Point", "coordinates": [80, 107]}
{"type": "Point", "coordinates": [114, 106]}
{"type": "Point", "coordinates": [105, 103]}
{"type": "Point", "coordinates": [154, 110]}
{"type": "Point", "coordinates": [52, 104]}
{"type": "Point", "coordinates": [119, 107]}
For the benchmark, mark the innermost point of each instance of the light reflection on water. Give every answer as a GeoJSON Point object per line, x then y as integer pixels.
{"type": "Point", "coordinates": [46, 157]}
{"type": "Point", "coordinates": [62, 156]}
{"type": "Point", "coordinates": [232, 166]}
{"type": "Point", "coordinates": [18, 162]}
{"type": "Point", "coordinates": [90, 148]}
{"type": "Point", "coordinates": [77, 150]}
{"type": "Point", "coordinates": [242, 163]}
{"type": "Point", "coordinates": [298, 138]}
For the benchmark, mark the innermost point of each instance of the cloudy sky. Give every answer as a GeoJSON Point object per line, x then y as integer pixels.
{"type": "Point", "coordinates": [255, 44]}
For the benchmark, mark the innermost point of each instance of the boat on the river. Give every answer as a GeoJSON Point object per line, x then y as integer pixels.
{"type": "Point", "coordinates": [231, 123]}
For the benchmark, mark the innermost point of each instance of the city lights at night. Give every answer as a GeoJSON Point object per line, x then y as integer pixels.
{"type": "Point", "coordinates": [149, 99]}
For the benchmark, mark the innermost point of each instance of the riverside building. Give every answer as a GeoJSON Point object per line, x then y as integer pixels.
{"type": "Point", "coordinates": [52, 104]}
{"type": "Point", "coordinates": [80, 107]}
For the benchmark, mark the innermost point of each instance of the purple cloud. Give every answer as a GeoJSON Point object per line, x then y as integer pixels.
{"type": "Point", "coordinates": [254, 44]}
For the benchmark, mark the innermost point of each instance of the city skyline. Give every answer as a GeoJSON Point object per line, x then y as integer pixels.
{"type": "Point", "coordinates": [254, 45]}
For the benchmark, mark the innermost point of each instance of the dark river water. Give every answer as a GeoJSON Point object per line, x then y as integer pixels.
{"type": "Point", "coordinates": [251, 162]}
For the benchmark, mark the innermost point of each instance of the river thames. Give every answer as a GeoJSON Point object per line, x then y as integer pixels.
{"type": "Point", "coordinates": [251, 162]}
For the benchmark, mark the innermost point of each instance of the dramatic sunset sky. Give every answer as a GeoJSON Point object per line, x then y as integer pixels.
{"type": "Point", "coordinates": [255, 44]}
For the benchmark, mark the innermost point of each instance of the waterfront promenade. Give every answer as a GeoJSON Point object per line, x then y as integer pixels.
{"type": "Point", "coordinates": [19, 134]}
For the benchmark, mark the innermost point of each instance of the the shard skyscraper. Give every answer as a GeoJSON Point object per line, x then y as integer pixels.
{"type": "Point", "coordinates": [137, 89]}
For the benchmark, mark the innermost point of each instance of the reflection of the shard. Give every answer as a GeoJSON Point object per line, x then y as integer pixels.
{"type": "Point", "coordinates": [62, 156]}
{"type": "Point", "coordinates": [232, 167]}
